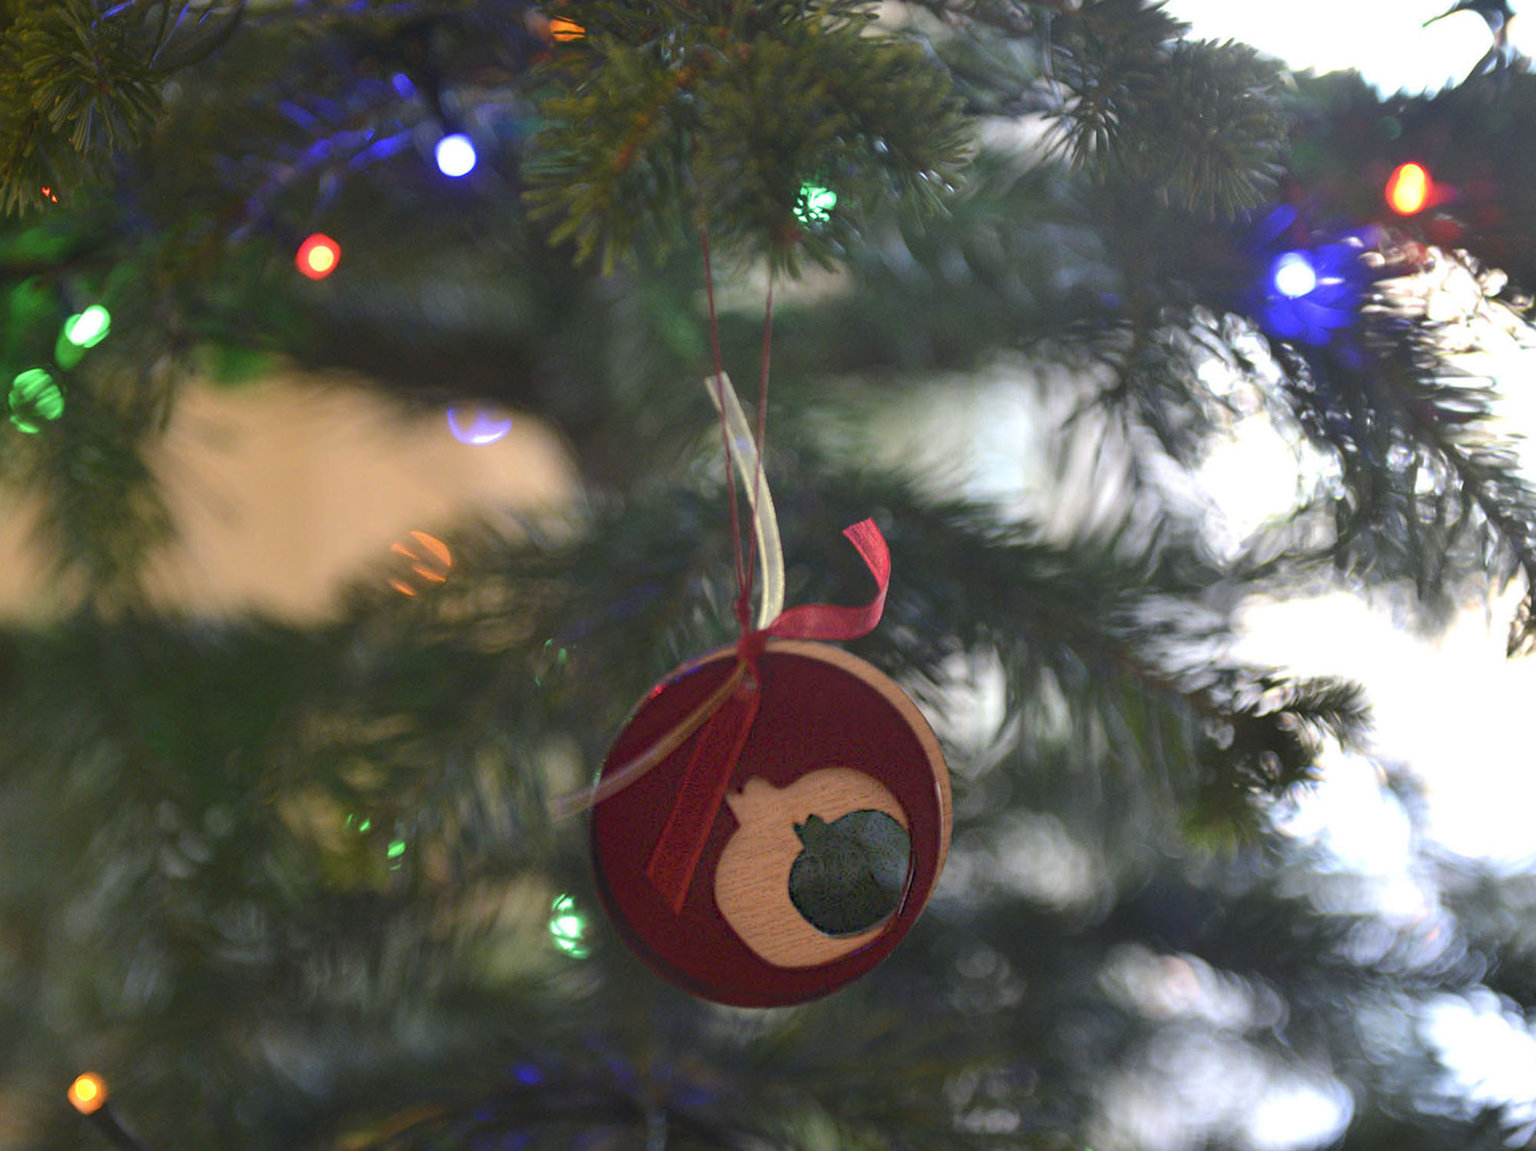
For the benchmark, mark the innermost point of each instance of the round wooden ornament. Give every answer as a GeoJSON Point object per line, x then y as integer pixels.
{"type": "Point", "coordinates": [785, 847]}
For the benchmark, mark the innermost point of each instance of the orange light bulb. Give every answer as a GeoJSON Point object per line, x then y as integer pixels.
{"type": "Point", "coordinates": [429, 559]}
{"type": "Point", "coordinates": [1409, 189]}
{"type": "Point", "coordinates": [565, 30]}
{"type": "Point", "coordinates": [88, 1093]}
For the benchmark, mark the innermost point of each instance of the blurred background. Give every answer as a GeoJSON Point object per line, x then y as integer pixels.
{"type": "Point", "coordinates": [325, 573]}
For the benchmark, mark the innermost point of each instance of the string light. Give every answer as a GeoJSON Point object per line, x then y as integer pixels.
{"type": "Point", "coordinates": [1313, 294]}
{"type": "Point", "coordinates": [455, 154]}
{"type": "Point", "coordinates": [478, 426]}
{"type": "Point", "coordinates": [318, 256]}
{"type": "Point", "coordinates": [1293, 275]}
{"type": "Point", "coordinates": [81, 331]}
{"type": "Point", "coordinates": [568, 928]}
{"type": "Point", "coordinates": [35, 399]}
{"type": "Point", "coordinates": [550, 662]}
{"type": "Point", "coordinates": [815, 204]}
{"type": "Point", "coordinates": [428, 556]}
{"type": "Point", "coordinates": [88, 328]}
{"type": "Point", "coordinates": [88, 1093]}
{"type": "Point", "coordinates": [1409, 189]}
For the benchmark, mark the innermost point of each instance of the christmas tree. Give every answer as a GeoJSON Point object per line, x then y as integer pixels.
{"type": "Point", "coordinates": [311, 879]}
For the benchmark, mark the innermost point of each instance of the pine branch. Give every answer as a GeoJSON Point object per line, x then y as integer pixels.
{"type": "Point", "coordinates": [1109, 657]}
{"type": "Point", "coordinates": [720, 115]}
{"type": "Point", "coordinates": [75, 90]}
{"type": "Point", "coordinates": [1432, 491]}
{"type": "Point", "coordinates": [1197, 123]}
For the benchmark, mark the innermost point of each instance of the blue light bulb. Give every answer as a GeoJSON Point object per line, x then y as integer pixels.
{"type": "Point", "coordinates": [456, 155]}
{"type": "Point", "coordinates": [1293, 275]}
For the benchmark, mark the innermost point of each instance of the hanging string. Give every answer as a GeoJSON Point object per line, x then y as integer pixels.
{"type": "Point", "coordinates": [723, 720]}
{"type": "Point", "coordinates": [744, 603]}
{"type": "Point", "coordinates": [725, 431]}
{"type": "Point", "coordinates": [765, 521]}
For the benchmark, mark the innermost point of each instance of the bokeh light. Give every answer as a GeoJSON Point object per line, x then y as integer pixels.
{"type": "Point", "coordinates": [568, 928]}
{"type": "Point", "coordinates": [455, 154]}
{"type": "Point", "coordinates": [815, 204]}
{"type": "Point", "coordinates": [1409, 189]}
{"type": "Point", "coordinates": [429, 562]}
{"type": "Point", "coordinates": [318, 256]}
{"type": "Point", "coordinates": [1293, 275]}
{"type": "Point", "coordinates": [1309, 288]}
{"type": "Point", "coordinates": [478, 426]}
{"type": "Point", "coordinates": [88, 328]}
{"type": "Point", "coordinates": [35, 399]}
{"type": "Point", "coordinates": [88, 1093]}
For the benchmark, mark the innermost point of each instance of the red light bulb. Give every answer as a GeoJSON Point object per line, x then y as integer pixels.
{"type": "Point", "coordinates": [318, 256]}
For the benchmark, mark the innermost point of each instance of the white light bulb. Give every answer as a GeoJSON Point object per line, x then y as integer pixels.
{"type": "Point", "coordinates": [1293, 275]}
{"type": "Point", "coordinates": [456, 155]}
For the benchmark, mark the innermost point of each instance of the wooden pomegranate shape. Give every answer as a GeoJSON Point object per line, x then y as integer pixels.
{"type": "Point", "coordinates": [753, 876]}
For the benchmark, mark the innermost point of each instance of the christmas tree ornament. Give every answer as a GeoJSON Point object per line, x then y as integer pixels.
{"type": "Point", "coordinates": [784, 847]}
{"type": "Point", "coordinates": [775, 814]}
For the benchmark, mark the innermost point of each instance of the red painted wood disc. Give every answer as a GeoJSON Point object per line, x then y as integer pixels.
{"type": "Point", "coordinates": [832, 737]}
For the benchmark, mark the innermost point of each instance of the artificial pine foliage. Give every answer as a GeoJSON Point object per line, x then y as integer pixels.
{"type": "Point", "coordinates": [298, 886]}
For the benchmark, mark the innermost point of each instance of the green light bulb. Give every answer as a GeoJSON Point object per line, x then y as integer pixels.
{"type": "Point", "coordinates": [88, 328]}
{"type": "Point", "coordinates": [35, 399]}
{"type": "Point", "coordinates": [568, 928]}
{"type": "Point", "coordinates": [815, 204]}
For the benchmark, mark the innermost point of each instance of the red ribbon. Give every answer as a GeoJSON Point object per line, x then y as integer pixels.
{"type": "Point", "coordinates": [707, 777]}
{"type": "Point", "coordinates": [827, 621]}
